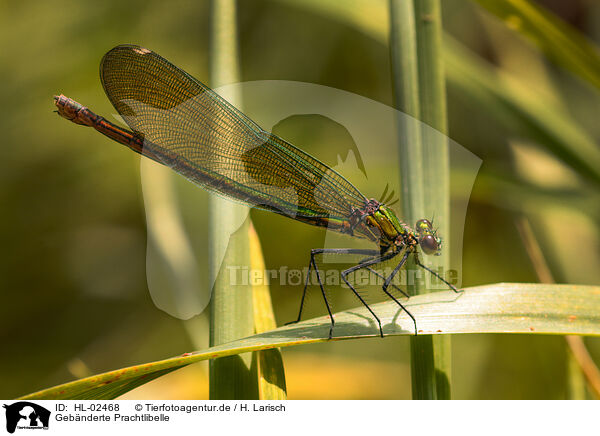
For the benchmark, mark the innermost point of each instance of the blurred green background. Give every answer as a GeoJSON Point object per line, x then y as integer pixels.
{"type": "Point", "coordinates": [72, 272]}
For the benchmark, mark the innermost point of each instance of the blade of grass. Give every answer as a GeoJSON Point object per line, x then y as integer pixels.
{"type": "Point", "coordinates": [498, 308]}
{"type": "Point", "coordinates": [554, 37]}
{"type": "Point", "coordinates": [436, 163]}
{"type": "Point", "coordinates": [231, 306]}
{"type": "Point", "coordinates": [268, 363]}
{"type": "Point", "coordinates": [406, 83]}
{"type": "Point", "coordinates": [418, 82]}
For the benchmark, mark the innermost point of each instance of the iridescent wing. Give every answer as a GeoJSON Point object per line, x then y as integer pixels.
{"type": "Point", "coordinates": [201, 136]}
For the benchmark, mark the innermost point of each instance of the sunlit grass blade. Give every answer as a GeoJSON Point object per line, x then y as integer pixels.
{"type": "Point", "coordinates": [268, 363]}
{"type": "Point", "coordinates": [498, 308]}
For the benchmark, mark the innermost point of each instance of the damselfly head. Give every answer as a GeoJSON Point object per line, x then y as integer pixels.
{"type": "Point", "coordinates": [429, 241]}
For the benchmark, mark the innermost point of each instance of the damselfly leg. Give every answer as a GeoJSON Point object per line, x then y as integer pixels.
{"type": "Point", "coordinates": [374, 258]}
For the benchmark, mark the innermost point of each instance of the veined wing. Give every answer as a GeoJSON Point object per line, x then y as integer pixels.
{"type": "Point", "coordinates": [200, 135]}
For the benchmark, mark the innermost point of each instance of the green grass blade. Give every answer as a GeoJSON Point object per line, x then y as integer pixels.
{"type": "Point", "coordinates": [497, 308]}
{"type": "Point", "coordinates": [555, 38]}
{"type": "Point", "coordinates": [268, 363]}
{"type": "Point", "coordinates": [406, 84]}
{"type": "Point", "coordinates": [231, 306]}
{"type": "Point", "coordinates": [419, 91]}
{"type": "Point", "coordinates": [436, 163]}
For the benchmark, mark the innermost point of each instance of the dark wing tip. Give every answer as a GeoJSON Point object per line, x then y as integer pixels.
{"type": "Point", "coordinates": [119, 63]}
{"type": "Point", "coordinates": [118, 51]}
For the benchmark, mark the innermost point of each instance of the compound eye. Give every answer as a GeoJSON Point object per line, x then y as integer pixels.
{"type": "Point", "coordinates": [423, 225]}
{"type": "Point", "coordinates": [429, 245]}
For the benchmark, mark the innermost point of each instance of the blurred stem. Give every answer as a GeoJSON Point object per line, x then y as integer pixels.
{"type": "Point", "coordinates": [555, 37]}
{"type": "Point", "coordinates": [231, 306]}
{"type": "Point", "coordinates": [579, 355]}
{"type": "Point", "coordinates": [580, 365]}
{"type": "Point", "coordinates": [405, 83]}
{"type": "Point", "coordinates": [419, 91]}
{"type": "Point", "coordinates": [436, 162]}
{"type": "Point", "coordinates": [509, 102]}
{"type": "Point", "coordinates": [575, 379]}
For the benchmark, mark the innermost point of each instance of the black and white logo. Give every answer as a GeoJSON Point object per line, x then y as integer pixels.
{"type": "Point", "coordinates": [26, 415]}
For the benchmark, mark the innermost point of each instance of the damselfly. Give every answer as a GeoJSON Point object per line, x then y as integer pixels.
{"type": "Point", "coordinates": [181, 123]}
